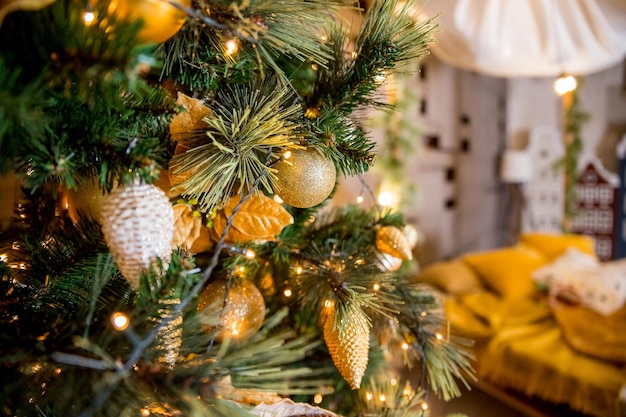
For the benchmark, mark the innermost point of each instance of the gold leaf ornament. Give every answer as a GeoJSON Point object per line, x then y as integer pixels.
{"type": "Point", "coordinates": [259, 218]}
{"type": "Point", "coordinates": [392, 241]}
{"type": "Point", "coordinates": [191, 119]}
{"type": "Point", "coordinates": [8, 6]}
{"type": "Point", "coordinates": [181, 127]}
{"type": "Point", "coordinates": [187, 226]}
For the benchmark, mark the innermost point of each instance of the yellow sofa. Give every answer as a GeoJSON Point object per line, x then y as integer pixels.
{"type": "Point", "coordinates": [528, 340]}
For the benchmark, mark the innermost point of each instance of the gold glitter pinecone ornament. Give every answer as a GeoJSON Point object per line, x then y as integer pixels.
{"type": "Point", "coordinates": [349, 347]}
{"type": "Point", "coordinates": [305, 179]}
{"type": "Point", "coordinates": [392, 241]}
{"type": "Point", "coordinates": [138, 225]}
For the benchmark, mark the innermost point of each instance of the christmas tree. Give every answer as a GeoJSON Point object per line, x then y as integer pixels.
{"type": "Point", "coordinates": [175, 252]}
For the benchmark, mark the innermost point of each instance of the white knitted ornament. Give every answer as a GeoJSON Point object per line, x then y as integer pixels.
{"type": "Point", "coordinates": [138, 226]}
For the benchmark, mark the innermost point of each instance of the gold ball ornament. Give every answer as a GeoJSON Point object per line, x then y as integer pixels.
{"type": "Point", "coordinates": [305, 179]}
{"type": "Point", "coordinates": [238, 314]}
{"type": "Point", "coordinates": [138, 225]}
{"type": "Point", "coordinates": [161, 20]}
{"type": "Point", "coordinates": [86, 201]}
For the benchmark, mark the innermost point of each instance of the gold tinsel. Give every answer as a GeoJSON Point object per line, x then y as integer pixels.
{"type": "Point", "coordinates": [392, 241]}
{"type": "Point", "coordinates": [348, 346]}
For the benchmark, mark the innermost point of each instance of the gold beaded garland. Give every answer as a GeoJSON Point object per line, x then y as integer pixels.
{"type": "Point", "coordinates": [305, 179]}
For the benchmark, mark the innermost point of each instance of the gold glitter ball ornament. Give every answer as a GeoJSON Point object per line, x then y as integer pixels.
{"type": "Point", "coordinates": [305, 179]}
{"type": "Point", "coordinates": [392, 241]}
{"type": "Point", "coordinates": [138, 225]}
{"type": "Point", "coordinates": [237, 314]}
{"type": "Point", "coordinates": [349, 348]}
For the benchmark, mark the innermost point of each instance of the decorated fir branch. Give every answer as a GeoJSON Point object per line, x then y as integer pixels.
{"type": "Point", "coordinates": [253, 117]}
{"type": "Point", "coordinates": [260, 33]}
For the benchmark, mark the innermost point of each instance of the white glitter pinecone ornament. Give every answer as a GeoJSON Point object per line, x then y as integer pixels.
{"type": "Point", "coordinates": [349, 347]}
{"type": "Point", "coordinates": [138, 226]}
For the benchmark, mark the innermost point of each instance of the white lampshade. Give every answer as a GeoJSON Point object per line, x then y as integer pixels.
{"type": "Point", "coordinates": [516, 166]}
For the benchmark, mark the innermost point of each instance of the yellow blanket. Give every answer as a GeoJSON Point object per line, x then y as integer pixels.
{"type": "Point", "coordinates": [520, 345]}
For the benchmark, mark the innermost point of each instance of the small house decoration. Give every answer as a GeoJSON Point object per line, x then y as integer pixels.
{"type": "Point", "coordinates": [545, 195]}
{"type": "Point", "coordinates": [596, 205]}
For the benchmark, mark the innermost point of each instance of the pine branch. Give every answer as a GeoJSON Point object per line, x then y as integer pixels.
{"type": "Point", "coordinates": [246, 131]}
{"type": "Point", "coordinates": [388, 37]}
{"type": "Point", "coordinates": [264, 31]}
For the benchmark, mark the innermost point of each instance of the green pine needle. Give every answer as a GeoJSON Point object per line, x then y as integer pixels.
{"type": "Point", "coordinates": [246, 131]}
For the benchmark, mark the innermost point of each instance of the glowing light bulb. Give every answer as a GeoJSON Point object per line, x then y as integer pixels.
{"type": "Point", "coordinates": [88, 18]}
{"type": "Point", "coordinates": [382, 398]}
{"type": "Point", "coordinates": [328, 303]}
{"type": "Point", "coordinates": [288, 292]}
{"type": "Point", "coordinates": [565, 84]}
{"type": "Point", "coordinates": [359, 199]}
{"type": "Point", "coordinates": [145, 412]}
{"type": "Point", "coordinates": [388, 199]}
{"type": "Point", "coordinates": [394, 381]}
{"type": "Point", "coordinates": [287, 154]}
{"type": "Point", "coordinates": [298, 269]}
{"type": "Point", "coordinates": [249, 254]}
{"type": "Point", "coordinates": [376, 287]}
{"type": "Point", "coordinates": [3, 257]}
{"type": "Point", "coordinates": [317, 398]}
{"type": "Point", "coordinates": [369, 396]}
{"type": "Point", "coordinates": [424, 406]}
{"type": "Point", "coordinates": [439, 336]}
{"type": "Point", "coordinates": [120, 321]}
{"type": "Point", "coordinates": [405, 346]}
{"type": "Point", "coordinates": [231, 47]}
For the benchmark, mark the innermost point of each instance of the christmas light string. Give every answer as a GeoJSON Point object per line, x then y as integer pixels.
{"type": "Point", "coordinates": [141, 344]}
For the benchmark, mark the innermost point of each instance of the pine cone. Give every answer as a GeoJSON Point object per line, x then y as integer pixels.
{"type": "Point", "coordinates": [392, 241]}
{"type": "Point", "coordinates": [138, 226]}
{"type": "Point", "coordinates": [349, 348]}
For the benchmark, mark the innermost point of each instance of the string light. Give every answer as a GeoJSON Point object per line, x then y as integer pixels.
{"type": "Point", "coordinates": [287, 154]}
{"type": "Point", "coordinates": [317, 399]}
{"type": "Point", "coordinates": [288, 293]}
{"type": "Point", "coordinates": [359, 199]}
{"type": "Point", "coordinates": [89, 17]}
{"type": "Point", "coordinates": [388, 199]}
{"type": "Point", "coordinates": [328, 303]}
{"type": "Point", "coordinates": [120, 321]}
{"type": "Point", "coordinates": [298, 270]}
{"type": "Point", "coordinates": [382, 398]}
{"type": "Point", "coordinates": [376, 287]}
{"type": "Point", "coordinates": [424, 405]}
{"type": "Point", "coordinates": [145, 411]}
{"type": "Point", "coordinates": [405, 346]}
{"type": "Point", "coordinates": [231, 47]}
{"type": "Point", "coordinates": [439, 336]}
{"type": "Point", "coordinates": [565, 84]}
{"type": "Point", "coordinates": [369, 396]}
